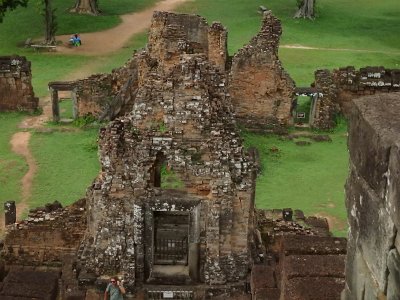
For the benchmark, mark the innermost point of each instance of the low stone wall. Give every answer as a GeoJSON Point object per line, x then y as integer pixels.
{"type": "Point", "coordinates": [372, 199]}
{"type": "Point", "coordinates": [340, 86]}
{"type": "Point", "coordinates": [297, 257]}
{"type": "Point", "coordinates": [46, 237]}
{"type": "Point", "coordinates": [16, 92]}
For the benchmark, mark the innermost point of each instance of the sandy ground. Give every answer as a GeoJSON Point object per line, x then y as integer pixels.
{"type": "Point", "coordinates": [108, 41]}
{"type": "Point", "coordinates": [97, 43]}
{"type": "Point", "coordinates": [297, 46]}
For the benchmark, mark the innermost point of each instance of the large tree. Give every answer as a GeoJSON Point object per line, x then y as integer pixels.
{"type": "Point", "coordinates": [10, 5]}
{"type": "Point", "coordinates": [50, 23]}
{"type": "Point", "coordinates": [90, 7]}
{"type": "Point", "coordinates": [306, 9]}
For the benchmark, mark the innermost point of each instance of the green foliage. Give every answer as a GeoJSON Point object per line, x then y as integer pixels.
{"type": "Point", "coordinates": [66, 109]}
{"type": "Point", "coordinates": [169, 179]}
{"type": "Point", "coordinates": [299, 3]}
{"type": "Point", "coordinates": [303, 105]}
{"type": "Point", "coordinates": [66, 163]}
{"type": "Point", "coordinates": [10, 5]}
{"type": "Point", "coordinates": [12, 166]}
{"type": "Point", "coordinates": [162, 127]}
{"type": "Point", "coordinates": [84, 121]}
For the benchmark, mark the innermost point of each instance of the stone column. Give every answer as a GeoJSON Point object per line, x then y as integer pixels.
{"type": "Point", "coordinates": [10, 213]}
{"type": "Point", "coordinates": [54, 105]}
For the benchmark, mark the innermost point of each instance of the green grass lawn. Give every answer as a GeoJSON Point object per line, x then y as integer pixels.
{"type": "Point", "coordinates": [67, 164]}
{"type": "Point", "coordinates": [310, 178]}
{"type": "Point", "coordinates": [12, 166]}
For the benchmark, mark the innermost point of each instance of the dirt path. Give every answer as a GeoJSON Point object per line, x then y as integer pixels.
{"type": "Point", "coordinates": [111, 40]}
{"type": "Point", "coordinates": [97, 43]}
{"type": "Point", "coordinates": [297, 46]}
{"type": "Point", "coordinates": [20, 145]}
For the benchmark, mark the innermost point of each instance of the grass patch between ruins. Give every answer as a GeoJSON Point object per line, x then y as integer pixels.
{"type": "Point", "coordinates": [67, 164]}
{"type": "Point", "coordinates": [310, 178]}
{"type": "Point", "coordinates": [12, 166]}
{"type": "Point", "coordinates": [374, 27]}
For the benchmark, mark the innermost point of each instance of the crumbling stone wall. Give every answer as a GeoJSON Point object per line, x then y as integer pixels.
{"type": "Point", "coordinates": [340, 86]}
{"type": "Point", "coordinates": [352, 83]}
{"type": "Point", "coordinates": [16, 92]}
{"type": "Point", "coordinates": [105, 96]}
{"type": "Point", "coordinates": [326, 106]}
{"type": "Point", "coordinates": [182, 115]}
{"type": "Point", "coordinates": [48, 235]}
{"type": "Point", "coordinates": [297, 257]}
{"type": "Point", "coordinates": [261, 91]}
{"type": "Point", "coordinates": [372, 198]}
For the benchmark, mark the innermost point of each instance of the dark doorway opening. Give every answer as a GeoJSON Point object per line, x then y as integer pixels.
{"type": "Point", "coordinates": [171, 235]}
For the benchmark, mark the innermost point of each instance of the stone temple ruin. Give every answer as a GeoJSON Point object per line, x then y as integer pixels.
{"type": "Point", "coordinates": [181, 122]}
{"type": "Point", "coordinates": [260, 90]}
{"type": "Point", "coordinates": [172, 210]}
{"type": "Point", "coordinates": [16, 92]}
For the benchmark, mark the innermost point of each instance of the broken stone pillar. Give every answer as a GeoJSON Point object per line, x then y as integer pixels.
{"type": "Point", "coordinates": [287, 214]}
{"type": "Point", "coordinates": [10, 213]}
{"type": "Point", "coordinates": [261, 91]}
{"type": "Point", "coordinates": [372, 198]}
{"type": "Point", "coordinates": [16, 91]}
{"type": "Point", "coordinates": [55, 105]}
{"type": "Point", "coordinates": [325, 107]}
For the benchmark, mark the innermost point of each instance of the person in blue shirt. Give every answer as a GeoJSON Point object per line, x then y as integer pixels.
{"type": "Point", "coordinates": [75, 40]}
{"type": "Point", "coordinates": [115, 290]}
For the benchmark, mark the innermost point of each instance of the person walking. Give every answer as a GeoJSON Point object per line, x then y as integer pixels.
{"type": "Point", "coordinates": [115, 290]}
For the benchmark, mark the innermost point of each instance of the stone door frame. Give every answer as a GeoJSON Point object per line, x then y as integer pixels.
{"type": "Point", "coordinates": [314, 95]}
{"type": "Point", "coordinates": [185, 204]}
{"type": "Point", "coordinates": [54, 88]}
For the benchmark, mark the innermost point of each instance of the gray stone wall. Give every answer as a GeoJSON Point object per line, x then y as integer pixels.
{"type": "Point", "coordinates": [372, 199]}
{"type": "Point", "coordinates": [16, 92]}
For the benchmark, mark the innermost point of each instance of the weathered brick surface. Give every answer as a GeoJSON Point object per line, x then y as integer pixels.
{"type": "Point", "coordinates": [182, 112]}
{"type": "Point", "coordinates": [261, 91]}
{"type": "Point", "coordinates": [313, 288]}
{"type": "Point", "coordinates": [16, 92]}
{"type": "Point", "coordinates": [297, 262]}
{"type": "Point", "coordinates": [106, 96]}
{"type": "Point", "coordinates": [372, 191]}
{"type": "Point", "coordinates": [46, 236]}
{"type": "Point", "coordinates": [341, 86]}
{"type": "Point", "coordinates": [34, 285]}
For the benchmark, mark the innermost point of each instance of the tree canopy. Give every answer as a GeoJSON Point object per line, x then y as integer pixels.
{"type": "Point", "coordinates": [10, 5]}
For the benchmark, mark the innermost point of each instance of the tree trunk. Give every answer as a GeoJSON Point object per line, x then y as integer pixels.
{"type": "Point", "coordinates": [50, 24]}
{"type": "Point", "coordinates": [89, 7]}
{"type": "Point", "coordinates": [306, 10]}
